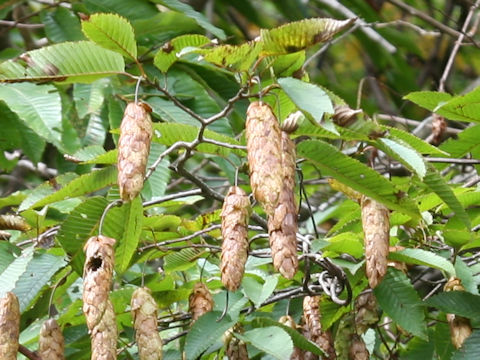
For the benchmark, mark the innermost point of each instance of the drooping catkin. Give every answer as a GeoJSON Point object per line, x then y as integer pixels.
{"type": "Point", "coordinates": [366, 312]}
{"type": "Point", "coordinates": [460, 327]}
{"type": "Point", "coordinates": [98, 310]}
{"type": "Point", "coordinates": [13, 222]}
{"type": "Point", "coordinates": [133, 149]}
{"type": "Point", "coordinates": [9, 326]}
{"type": "Point", "coordinates": [282, 223]}
{"type": "Point", "coordinates": [200, 301]}
{"type": "Point", "coordinates": [358, 350]}
{"type": "Point", "coordinates": [313, 325]}
{"type": "Point", "coordinates": [144, 313]}
{"type": "Point", "coordinates": [235, 237]}
{"type": "Point", "coordinates": [235, 348]}
{"type": "Point", "coordinates": [264, 155]}
{"type": "Point", "coordinates": [51, 343]}
{"type": "Point", "coordinates": [376, 229]}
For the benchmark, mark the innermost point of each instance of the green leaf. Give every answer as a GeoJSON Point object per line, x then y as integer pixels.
{"type": "Point", "coordinates": [156, 184]}
{"type": "Point", "coordinates": [405, 154]}
{"type": "Point", "coordinates": [309, 98]}
{"type": "Point", "coordinates": [86, 62]}
{"type": "Point", "coordinates": [170, 52]}
{"type": "Point", "coordinates": [142, 9]}
{"type": "Point", "coordinates": [169, 133]}
{"type": "Point", "coordinates": [127, 245]}
{"type": "Point", "coordinates": [356, 175]}
{"type": "Point", "coordinates": [182, 260]}
{"type": "Point", "coordinates": [272, 340]}
{"type": "Point", "coordinates": [96, 131]}
{"type": "Point", "coordinates": [298, 340]}
{"type": "Point", "coordinates": [37, 274]}
{"type": "Point", "coordinates": [423, 257]}
{"type": "Point", "coordinates": [204, 333]}
{"type": "Point", "coordinates": [347, 242]}
{"type": "Point", "coordinates": [82, 185]}
{"type": "Point", "coordinates": [8, 253]}
{"type": "Point", "coordinates": [437, 184]}
{"type": "Point", "coordinates": [299, 35]}
{"type": "Point", "coordinates": [470, 348]}
{"type": "Point", "coordinates": [466, 141]}
{"type": "Point", "coordinates": [191, 13]}
{"type": "Point", "coordinates": [400, 301]}
{"type": "Point", "coordinates": [112, 32]}
{"type": "Point", "coordinates": [61, 25]}
{"type": "Point", "coordinates": [258, 292]}
{"type": "Point", "coordinates": [13, 272]}
{"type": "Point", "coordinates": [415, 142]}
{"type": "Point", "coordinates": [89, 98]}
{"type": "Point", "coordinates": [39, 107]}
{"type": "Point", "coordinates": [234, 57]}
{"type": "Point", "coordinates": [457, 302]}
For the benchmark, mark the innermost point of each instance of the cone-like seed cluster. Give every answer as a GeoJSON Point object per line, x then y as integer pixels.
{"type": "Point", "coordinates": [98, 310]}
{"type": "Point", "coordinates": [376, 229]}
{"type": "Point", "coordinates": [313, 325]}
{"type": "Point", "coordinates": [9, 326]}
{"type": "Point", "coordinates": [235, 237]}
{"type": "Point", "coordinates": [290, 322]}
{"type": "Point", "coordinates": [358, 349]}
{"type": "Point", "coordinates": [460, 327]}
{"type": "Point", "coordinates": [200, 301]}
{"type": "Point", "coordinates": [366, 312]}
{"type": "Point", "coordinates": [51, 342]}
{"type": "Point", "coordinates": [236, 349]}
{"type": "Point", "coordinates": [133, 149]}
{"type": "Point", "coordinates": [13, 222]}
{"type": "Point", "coordinates": [144, 313]}
{"type": "Point", "coordinates": [282, 224]}
{"type": "Point", "coordinates": [264, 155]}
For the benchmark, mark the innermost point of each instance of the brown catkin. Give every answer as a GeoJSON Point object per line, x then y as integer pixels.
{"type": "Point", "coordinates": [98, 310]}
{"type": "Point", "coordinates": [236, 349]}
{"type": "Point", "coordinates": [9, 326]}
{"type": "Point", "coordinates": [13, 222]}
{"type": "Point", "coordinates": [313, 327]}
{"type": "Point", "coordinates": [366, 312]}
{"type": "Point", "coordinates": [133, 149]}
{"type": "Point", "coordinates": [51, 343]}
{"type": "Point", "coordinates": [264, 155]}
{"type": "Point", "coordinates": [200, 301]}
{"type": "Point", "coordinates": [376, 229]}
{"type": "Point", "coordinates": [144, 313]}
{"type": "Point", "coordinates": [358, 349]}
{"type": "Point", "coordinates": [460, 327]}
{"type": "Point", "coordinates": [235, 237]}
{"type": "Point", "coordinates": [282, 224]}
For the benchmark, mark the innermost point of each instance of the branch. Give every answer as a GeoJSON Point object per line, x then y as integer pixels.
{"type": "Point", "coordinates": [452, 161]}
{"type": "Point", "coordinates": [32, 355]}
{"type": "Point", "coordinates": [15, 24]}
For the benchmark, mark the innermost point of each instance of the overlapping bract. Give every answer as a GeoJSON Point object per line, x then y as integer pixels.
{"type": "Point", "coordinates": [313, 327]}
{"type": "Point", "coordinates": [235, 237]}
{"type": "Point", "coordinates": [200, 301]}
{"type": "Point", "coordinates": [376, 229]}
{"type": "Point", "coordinates": [144, 313]}
{"type": "Point", "coordinates": [9, 326]}
{"type": "Point", "coordinates": [460, 327]}
{"type": "Point", "coordinates": [133, 149]}
{"type": "Point", "coordinates": [51, 342]}
{"type": "Point", "coordinates": [97, 307]}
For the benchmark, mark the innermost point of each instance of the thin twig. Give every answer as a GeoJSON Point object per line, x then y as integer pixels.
{"type": "Point", "coordinates": [177, 195]}
{"type": "Point", "coordinates": [32, 355]}
{"type": "Point", "coordinates": [453, 161]}
{"type": "Point", "coordinates": [456, 47]}
{"type": "Point", "coordinates": [18, 25]}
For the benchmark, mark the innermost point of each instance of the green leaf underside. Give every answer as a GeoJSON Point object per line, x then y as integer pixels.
{"type": "Point", "coordinates": [127, 244]}
{"type": "Point", "coordinates": [299, 35]}
{"type": "Point", "coordinates": [308, 97]}
{"type": "Point", "coordinates": [415, 142]}
{"type": "Point", "coordinates": [258, 292]}
{"type": "Point", "coordinates": [405, 154]}
{"type": "Point", "coordinates": [272, 340]}
{"type": "Point", "coordinates": [457, 302]}
{"type": "Point", "coordinates": [82, 185]}
{"type": "Point", "coordinates": [355, 175]}
{"type": "Point", "coordinates": [169, 133]}
{"type": "Point", "coordinates": [38, 107]}
{"type": "Point", "coordinates": [437, 184]}
{"type": "Point", "coordinates": [170, 52]}
{"type": "Point", "coordinates": [400, 301]}
{"type": "Point", "coordinates": [82, 61]}
{"type": "Point", "coordinates": [298, 339]}
{"type": "Point", "coordinates": [205, 332]}
{"type": "Point", "coordinates": [423, 257]}
{"type": "Point", "coordinates": [112, 32]}
{"type": "Point", "coordinates": [14, 271]}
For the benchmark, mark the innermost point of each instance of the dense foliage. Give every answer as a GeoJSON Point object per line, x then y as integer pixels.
{"type": "Point", "coordinates": [381, 100]}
